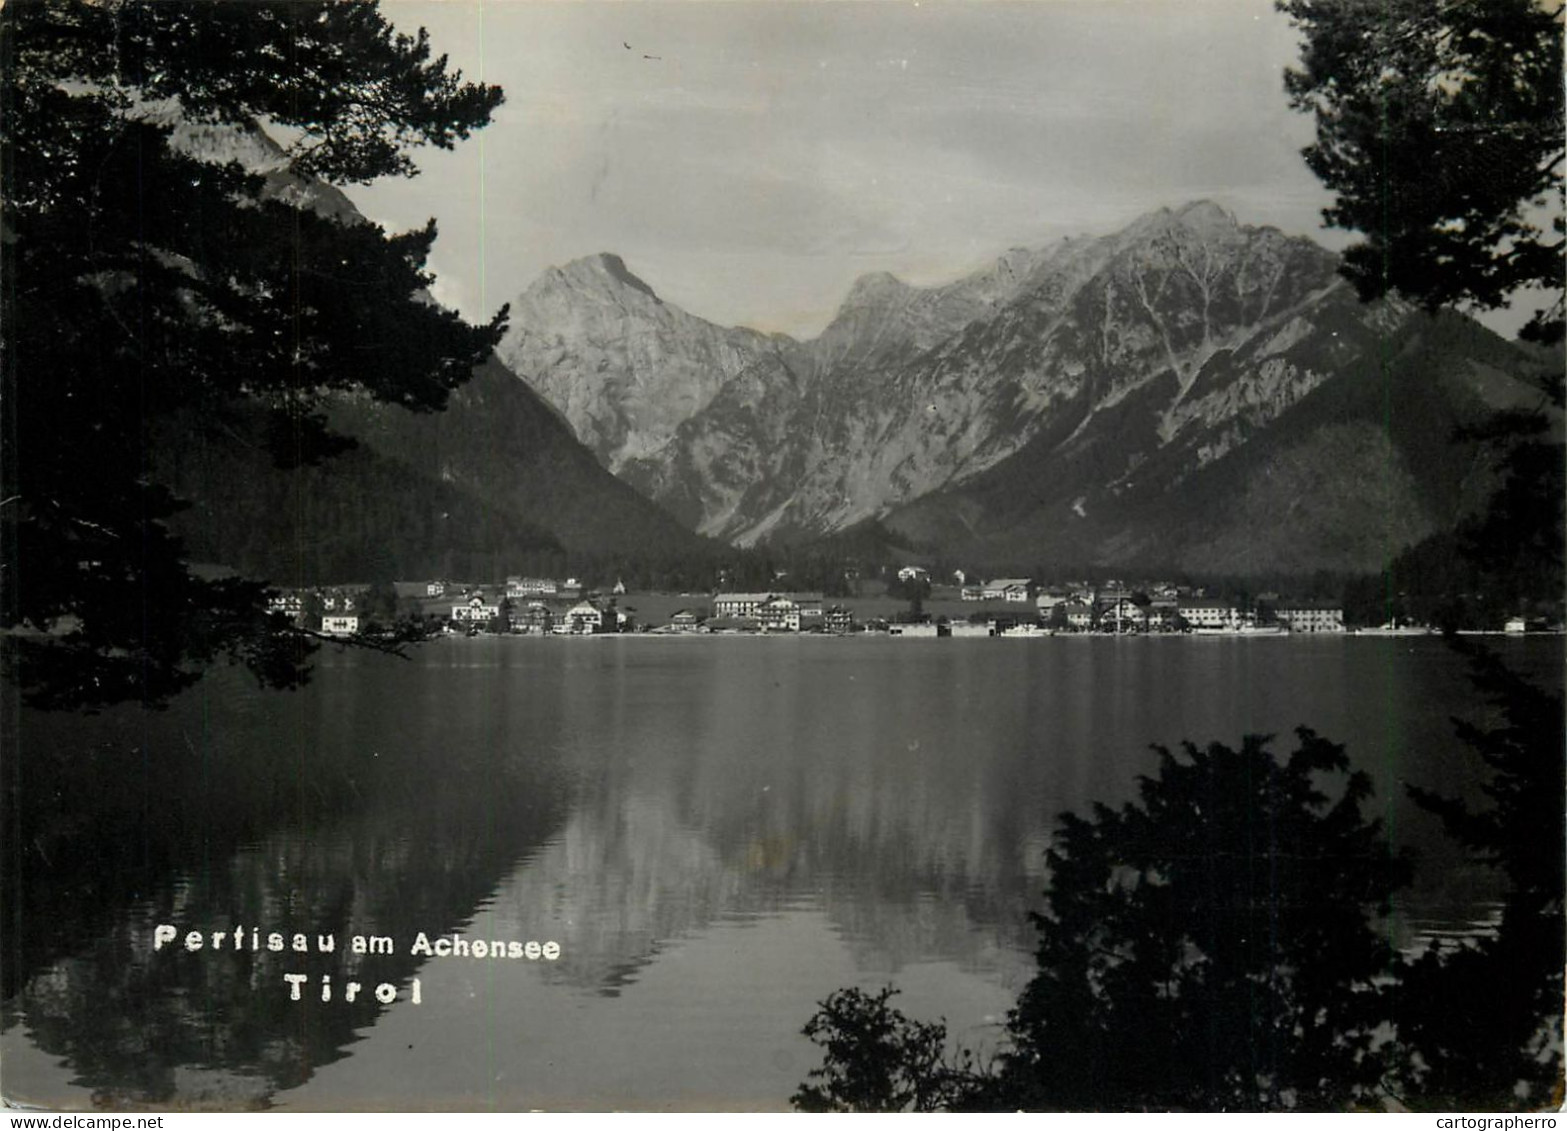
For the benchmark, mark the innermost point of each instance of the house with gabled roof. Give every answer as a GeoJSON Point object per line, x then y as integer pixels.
{"type": "Point", "coordinates": [475, 610]}
{"type": "Point", "coordinates": [585, 618]}
{"type": "Point", "coordinates": [1079, 615]}
{"type": "Point", "coordinates": [1018, 589]}
{"type": "Point", "coordinates": [686, 620]}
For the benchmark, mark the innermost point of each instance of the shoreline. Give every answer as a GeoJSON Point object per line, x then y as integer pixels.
{"type": "Point", "coordinates": [1349, 633]}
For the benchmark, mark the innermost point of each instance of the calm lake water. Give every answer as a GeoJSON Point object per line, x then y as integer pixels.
{"type": "Point", "coordinates": [716, 833]}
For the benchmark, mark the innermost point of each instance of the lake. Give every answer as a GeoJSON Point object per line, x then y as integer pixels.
{"type": "Point", "coordinates": [715, 832]}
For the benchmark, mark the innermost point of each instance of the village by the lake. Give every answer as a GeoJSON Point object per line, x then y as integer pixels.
{"type": "Point", "coordinates": [908, 604]}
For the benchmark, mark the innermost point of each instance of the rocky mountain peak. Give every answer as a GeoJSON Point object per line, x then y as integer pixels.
{"type": "Point", "coordinates": [623, 367]}
{"type": "Point", "coordinates": [1200, 218]}
{"type": "Point", "coordinates": [1211, 224]}
{"type": "Point", "coordinates": [602, 271]}
{"type": "Point", "coordinates": [1205, 213]}
{"type": "Point", "coordinates": [1017, 261]}
{"type": "Point", "coordinates": [878, 286]}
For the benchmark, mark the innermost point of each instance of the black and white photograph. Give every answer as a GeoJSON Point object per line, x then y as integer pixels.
{"type": "Point", "coordinates": [782, 555]}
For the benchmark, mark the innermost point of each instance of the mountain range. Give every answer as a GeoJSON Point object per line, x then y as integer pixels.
{"type": "Point", "coordinates": [1189, 392]}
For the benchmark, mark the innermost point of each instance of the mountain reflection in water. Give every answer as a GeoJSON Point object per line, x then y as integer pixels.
{"type": "Point", "coordinates": [717, 833]}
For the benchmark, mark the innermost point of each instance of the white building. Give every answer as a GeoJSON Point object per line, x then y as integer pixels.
{"type": "Point", "coordinates": [740, 604]}
{"type": "Point", "coordinates": [521, 587]}
{"type": "Point", "coordinates": [582, 619]}
{"type": "Point", "coordinates": [1121, 615]}
{"type": "Point", "coordinates": [289, 604]}
{"type": "Point", "coordinates": [475, 609]}
{"type": "Point", "coordinates": [1310, 616]}
{"type": "Point", "coordinates": [1018, 589]}
{"type": "Point", "coordinates": [340, 625]}
{"type": "Point", "coordinates": [1210, 612]}
{"type": "Point", "coordinates": [781, 614]}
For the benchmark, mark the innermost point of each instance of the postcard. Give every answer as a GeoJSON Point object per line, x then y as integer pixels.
{"type": "Point", "coordinates": [773, 555]}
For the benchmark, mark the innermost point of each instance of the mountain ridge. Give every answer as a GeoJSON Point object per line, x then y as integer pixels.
{"type": "Point", "coordinates": [1172, 343]}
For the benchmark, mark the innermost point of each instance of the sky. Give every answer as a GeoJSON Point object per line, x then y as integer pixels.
{"type": "Point", "coordinates": [750, 159]}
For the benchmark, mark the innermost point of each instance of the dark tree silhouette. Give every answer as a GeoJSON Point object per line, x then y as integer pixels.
{"type": "Point", "coordinates": [152, 286]}
{"type": "Point", "coordinates": [1515, 543]}
{"type": "Point", "coordinates": [1210, 946]}
{"type": "Point", "coordinates": [1440, 131]}
{"type": "Point", "coordinates": [378, 606]}
{"type": "Point", "coordinates": [879, 1060]}
{"type": "Point", "coordinates": [1487, 1017]}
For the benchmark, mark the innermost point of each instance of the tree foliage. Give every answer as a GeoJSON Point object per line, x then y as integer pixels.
{"type": "Point", "coordinates": [1487, 1017]}
{"type": "Point", "coordinates": [1440, 131]}
{"type": "Point", "coordinates": [1210, 946]}
{"type": "Point", "coordinates": [152, 284]}
{"type": "Point", "coordinates": [878, 1060]}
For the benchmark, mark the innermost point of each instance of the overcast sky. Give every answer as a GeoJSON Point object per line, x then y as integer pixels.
{"type": "Point", "coordinates": [750, 160]}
